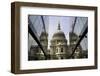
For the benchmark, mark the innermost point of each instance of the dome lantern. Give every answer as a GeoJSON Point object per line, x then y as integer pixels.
{"type": "Point", "coordinates": [59, 34]}
{"type": "Point", "coordinates": [59, 27]}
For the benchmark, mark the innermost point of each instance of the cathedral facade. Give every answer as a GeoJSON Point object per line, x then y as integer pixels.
{"type": "Point", "coordinates": [59, 48]}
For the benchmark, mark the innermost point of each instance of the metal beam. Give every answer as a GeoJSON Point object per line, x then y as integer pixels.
{"type": "Point", "coordinates": [73, 26]}
{"type": "Point", "coordinates": [43, 23]}
{"type": "Point", "coordinates": [84, 27]}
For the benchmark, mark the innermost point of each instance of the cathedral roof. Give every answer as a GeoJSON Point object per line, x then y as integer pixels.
{"type": "Point", "coordinates": [59, 34]}
{"type": "Point", "coordinates": [44, 33]}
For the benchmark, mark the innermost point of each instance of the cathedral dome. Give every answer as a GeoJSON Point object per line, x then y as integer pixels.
{"type": "Point", "coordinates": [59, 34]}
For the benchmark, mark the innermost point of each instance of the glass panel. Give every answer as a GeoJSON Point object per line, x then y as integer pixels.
{"type": "Point", "coordinates": [48, 34]}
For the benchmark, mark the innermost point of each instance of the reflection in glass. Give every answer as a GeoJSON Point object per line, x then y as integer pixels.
{"type": "Point", "coordinates": [57, 37]}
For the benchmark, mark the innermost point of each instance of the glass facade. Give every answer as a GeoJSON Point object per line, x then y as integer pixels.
{"type": "Point", "coordinates": [57, 37]}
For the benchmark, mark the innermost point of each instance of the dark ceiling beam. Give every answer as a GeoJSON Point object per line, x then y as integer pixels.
{"type": "Point", "coordinates": [73, 26]}
{"type": "Point", "coordinates": [84, 27]}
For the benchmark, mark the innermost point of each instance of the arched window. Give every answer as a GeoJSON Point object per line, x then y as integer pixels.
{"type": "Point", "coordinates": [61, 49]}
